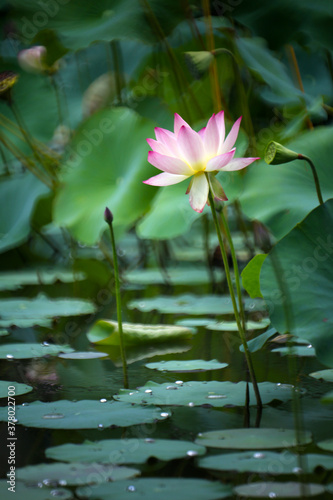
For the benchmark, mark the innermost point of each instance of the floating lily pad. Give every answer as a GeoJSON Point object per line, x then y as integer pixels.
{"type": "Point", "coordinates": [87, 414]}
{"type": "Point", "coordinates": [19, 388]}
{"type": "Point", "coordinates": [125, 451]}
{"type": "Point", "coordinates": [27, 351]}
{"type": "Point", "coordinates": [203, 393]}
{"type": "Point", "coordinates": [176, 276]}
{"type": "Point", "coordinates": [61, 474]}
{"type": "Point", "coordinates": [326, 445]}
{"type": "Point", "coordinates": [17, 279]}
{"type": "Point", "coordinates": [252, 439]}
{"type": "Point", "coordinates": [267, 462]}
{"type": "Point", "coordinates": [194, 322]}
{"type": "Point", "coordinates": [158, 489]}
{"type": "Point", "coordinates": [23, 312]}
{"type": "Point", "coordinates": [299, 350]}
{"type": "Point", "coordinates": [257, 343]}
{"type": "Point", "coordinates": [278, 490]}
{"type": "Point", "coordinates": [194, 365]}
{"type": "Point", "coordinates": [83, 355]}
{"type": "Point", "coordinates": [231, 326]}
{"type": "Point", "coordinates": [3, 333]}
{"type": "Point", "coordinates": [105, 332]}
{"type": "Point", "coordinates": [326, 375]}
{"type": "Point", "coordinates": [30, 493]}
{"type": "Point", "coordinates": [193, 304]}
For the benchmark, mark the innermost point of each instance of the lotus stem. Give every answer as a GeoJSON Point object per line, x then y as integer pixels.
{"type": "Point", "coordinates": [234, 303]}
{"type": "Point", "coordinates": [109, 219]}
{"type": "Point", "coordinates": [315, 176]}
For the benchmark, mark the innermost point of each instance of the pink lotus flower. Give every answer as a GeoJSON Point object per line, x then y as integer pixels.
{"type": "Point", "coordinates": [185, 153]}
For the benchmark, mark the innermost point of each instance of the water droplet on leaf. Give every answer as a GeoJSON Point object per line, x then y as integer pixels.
{"type": "Point", "coordinates": [50, 416]}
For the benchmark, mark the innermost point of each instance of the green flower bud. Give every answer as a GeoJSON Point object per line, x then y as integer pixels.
{"type": "Point", "coordinates": [276, 154]}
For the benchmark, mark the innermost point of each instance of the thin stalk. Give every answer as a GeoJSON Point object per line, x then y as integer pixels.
{"type": "Point", "coordinates": [118, 300]}
{"type": "Point", "coordinates": [315, 176]}
{"type": "Point", "coordinates": [236, 270]}
{"type": "Point", "coordinates": [234, 303]}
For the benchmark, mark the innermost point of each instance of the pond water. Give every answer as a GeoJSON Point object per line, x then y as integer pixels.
{"type": "Point", "coordinates": [186, 407]}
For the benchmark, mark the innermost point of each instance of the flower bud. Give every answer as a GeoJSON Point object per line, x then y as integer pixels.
{"type": "Point", "coordinates": [108, 217]}
{"type": "Point", "coordinates": [33, 60]}
{"type": "Point", "coordinates": [7, 80]}
{"type": "Point", "coordinates": [199, 62]}
{"type": "Point", "coordinates": [276, 154]}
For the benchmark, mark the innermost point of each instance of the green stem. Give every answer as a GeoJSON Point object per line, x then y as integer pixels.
{"type": "Point", "coordinates": [118, 300]}
{"type": "Point", "coordinates": [234, 303]}
{"type": "Point", "coordinates": [236, 271]}
{"type": "Point", "coordinates": [315, 176]}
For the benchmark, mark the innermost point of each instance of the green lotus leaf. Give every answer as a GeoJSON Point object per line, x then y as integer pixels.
{"type": "Point", "coordinates": [250, 276]}
{"type": "Point", "coordinates": [326, 375]}
{"type": "Point", "coordinates": [18, 196]}
{"type": "Point", "coordinates": [193, 304]}
{"type": "Point", "coordinates": [29, 350]}
{"type": "Point", "coordinates": [279, 490]}
{"type": "Point", "coordinates": [265, 462]}
{"type": "Point", "coordinates": [217, 394]}
{"type": "Point", "coordinates": [83, 414]}
{"type": "Point", "coordinates": [24, 312]}
{"type": "Point", "coordinates": [125, 451]}
{"type": "Point", "coordinates": [6, 385]}
{"type": "Point", "coordinates": [298, 272]}
{"type": "Point", "coordinates": [105, 332]}
{"type": "Point", "coordinates": [158, 489]}
{"type": "Point", "coordinates": [33, 493]}
{"type": "Point", "coordinates": [103, 140]}
{"type": "Point", "coordinates": [176, 276]}
{"type": "Point", "coordinates": [16, 279]}
{"type": "Point", "coordinates": [74, 475]}
{"type": "Point", "coordinates": [192, 365]}
{"type": "Point", "coordinates": [253, 439]}
{"type": "Point", "coordinates": [257, 343]}
{"type": "Point", "coordinates": [231, 326]}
